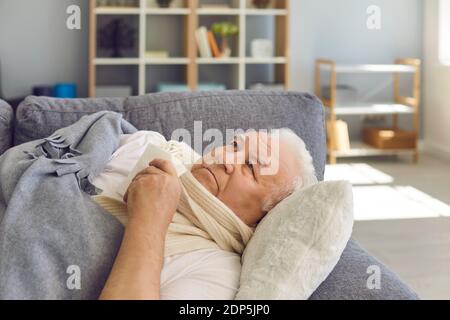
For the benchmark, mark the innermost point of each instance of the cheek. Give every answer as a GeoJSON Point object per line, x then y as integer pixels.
{"type": "Point", "coordinates": [242, 196]}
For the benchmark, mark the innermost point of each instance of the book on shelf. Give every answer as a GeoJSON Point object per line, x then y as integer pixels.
{"type": "Point", "coordinates": [213, 44]}
{"type": "Point", "coordinates": [203, 45]}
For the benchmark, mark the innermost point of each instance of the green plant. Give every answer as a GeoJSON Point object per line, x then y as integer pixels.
{"type": "Point", "coordinates": [225, 29]}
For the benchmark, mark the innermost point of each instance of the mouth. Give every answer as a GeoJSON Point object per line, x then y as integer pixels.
{"type": "Point", "coordinates": [214, 177]}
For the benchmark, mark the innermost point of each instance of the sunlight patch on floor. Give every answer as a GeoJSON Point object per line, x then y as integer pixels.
{"type": "Point", "coordinates": [376, 197]}
{"type": "Point", "coordinates": [395, 202]}
{"type": "Point", "coordinates": [357, 174]}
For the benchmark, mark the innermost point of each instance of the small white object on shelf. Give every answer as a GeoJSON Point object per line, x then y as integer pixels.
{"type": "Point", "coordinates": [262, 48]}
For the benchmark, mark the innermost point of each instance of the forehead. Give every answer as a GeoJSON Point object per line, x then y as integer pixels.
{"type": "Point", "coordinates": [261, 139]}
{"type": "Point", "coordinates": [277, 151]}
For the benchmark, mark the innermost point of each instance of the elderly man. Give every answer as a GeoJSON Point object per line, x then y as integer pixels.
{"type": "Point", "coordinates": [217, 210]}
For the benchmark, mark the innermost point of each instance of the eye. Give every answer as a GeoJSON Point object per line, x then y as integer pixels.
{"type": "Point", "coordinates": [235, 146]}
{"type": "Point", "coordinates": [251, 167]}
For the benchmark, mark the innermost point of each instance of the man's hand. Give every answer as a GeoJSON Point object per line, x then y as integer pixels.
{"type": "Point", "coordinates": [152, 199]}
{"type": "Point", "coordinates": [154, 194]}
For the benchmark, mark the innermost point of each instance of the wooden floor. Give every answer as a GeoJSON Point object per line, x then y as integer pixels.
{"type": "Point", "coordinates": [414, 239]}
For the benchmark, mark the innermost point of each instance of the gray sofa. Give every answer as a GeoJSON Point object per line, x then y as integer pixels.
{"type": "Point", "coordinates": [39, 117]}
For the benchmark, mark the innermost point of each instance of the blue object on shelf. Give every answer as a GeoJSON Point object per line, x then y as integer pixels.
{"type": "Point", "coordinates": [65, 90]}
{"type": "Point", "coordinates": [181, 87]}
{"type": "Point", "coordinates": [43, 91]}
{"type": "Point", "coordinates": [210, 86]}
{"type": "Point", "coordinates": [171, 87]}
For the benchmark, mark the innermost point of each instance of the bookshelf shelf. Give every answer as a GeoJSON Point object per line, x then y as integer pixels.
{"type": "Point", "coordinates": [275, 60]}
{"type": "Point", "coordinates": [116, 61]}
{"type": "Point", "coordinates": [167, 61]}
{"type": "Point", "coordinates": [116, 11]}
{"type": "Point", "coordinates": [169, 11]}
{"type": "Point", "coordinates": [218, 60]}
{"type": "Point", "coordinates": [218, 12]}
{"type": "Point", "coordinates": [172, 32]}
{"type": "Point", "coordinates": [266, 12]}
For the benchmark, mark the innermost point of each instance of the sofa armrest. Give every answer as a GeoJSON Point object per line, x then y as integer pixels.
{"type": "Point", "coordinates": [6, 126]}
{"type": "Point", "coordinates": [349, 279]}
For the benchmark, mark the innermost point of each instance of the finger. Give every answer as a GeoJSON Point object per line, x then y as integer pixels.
{"type": "Point", "coordinates": [165, 166]}
{"type": "Point", "coordinates": [148, 171]}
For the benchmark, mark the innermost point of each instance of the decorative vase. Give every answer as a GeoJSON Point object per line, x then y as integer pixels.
{"type": "Point", "coordinates": [164, 3]}
{"type": "Point", "coordinates": [225, 48]}
{"type": "Point", "coordinates": [261, 4]}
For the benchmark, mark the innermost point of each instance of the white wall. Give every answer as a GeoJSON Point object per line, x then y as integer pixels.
{"type": "Point", "coordinates": [337, 29]}
{"type": "Point", "coordinates": [36, 47]}
{"type": "Point", "coordinates": [437, 87]}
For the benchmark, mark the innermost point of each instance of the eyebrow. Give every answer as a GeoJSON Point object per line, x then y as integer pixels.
{"type": "Point", "coordinates": [244, 139]}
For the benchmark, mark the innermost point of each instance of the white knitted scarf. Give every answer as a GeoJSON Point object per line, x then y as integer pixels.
{"type": "Point", "coordinates": [201, 222]}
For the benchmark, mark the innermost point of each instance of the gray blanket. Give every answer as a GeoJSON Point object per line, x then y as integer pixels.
{"type": "Point", "coordinates": [55, 242]}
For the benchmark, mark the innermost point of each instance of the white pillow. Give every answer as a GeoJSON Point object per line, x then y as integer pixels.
{"type": "Point", "coordinates": [298, 243]}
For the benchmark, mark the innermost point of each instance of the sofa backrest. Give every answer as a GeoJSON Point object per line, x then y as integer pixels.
{"type": "Point", "coordinates": [39, 117]}
{"type": "Point", "coordinates": [6, 126]}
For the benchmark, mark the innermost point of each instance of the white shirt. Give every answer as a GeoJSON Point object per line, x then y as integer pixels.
{"type": "Point", "coordinates": [201, 275]}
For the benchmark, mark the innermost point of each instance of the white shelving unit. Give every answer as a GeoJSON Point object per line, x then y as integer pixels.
{"type": "Point", "coordinates": [400, 106]}
{"type": "Point", "coordinates": [373, 109]}
{"type": "Point", "coordinates": [370, 68]}
{"type": "Point", "coordinates": [360, 149]}
{"type": "Point", "coordinates": [192, 66]}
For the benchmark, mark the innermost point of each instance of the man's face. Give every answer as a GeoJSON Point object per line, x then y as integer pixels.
{"type": "Point", "coordinates": [235, 173]}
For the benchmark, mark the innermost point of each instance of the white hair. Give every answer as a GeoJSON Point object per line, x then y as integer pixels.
{"type": "Point", "coordinates": [307, 175]}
